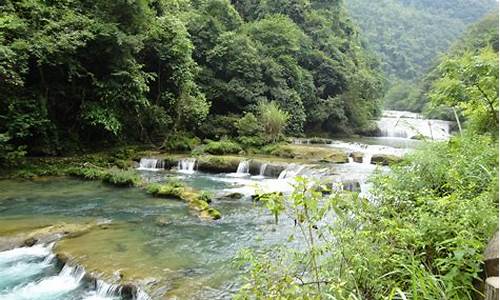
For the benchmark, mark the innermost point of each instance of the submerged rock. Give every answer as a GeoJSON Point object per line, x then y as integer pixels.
{"type": "Point", "coordinates": [198, 201]}
{"type": "Point", "coordinates": [232, 196]}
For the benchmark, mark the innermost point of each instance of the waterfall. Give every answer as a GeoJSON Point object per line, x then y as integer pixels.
{"type": "Point", "coordinates": [243, 167]}
{"type": "Point", "coordinates": [151, 164]}
{"type": "Point", "coordinates": [105, 289]}
{"type": "Point", "coordinates": [291, 171]}
{"type": "Point", "coordinates": [402, 124]}
{"type": "Point", "coordinates": [243, 170]}
{"type": "Point", "coordinates": [367, 158]}
{"type": "Point", "coordinates": [262, 170]}
{"type": "Point", "coordinates": [186, 165]}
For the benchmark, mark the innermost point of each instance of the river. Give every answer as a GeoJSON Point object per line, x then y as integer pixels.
{"type": "Point", "coordinates": [158, 243]}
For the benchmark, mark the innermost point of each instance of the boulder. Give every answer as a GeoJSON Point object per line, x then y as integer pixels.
{"type": "Point", "coordinates": [385, 159]}
{"type": "Point", "coordinates": [218, 164]}
{"type": "Point", "coordinates": [491, 290]}
{"type": "Point", "coordinates": [357, 156]}
{"type": "Point", "coordinates": [491, 257]}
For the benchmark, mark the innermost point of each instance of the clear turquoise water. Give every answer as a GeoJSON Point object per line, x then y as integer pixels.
{"type": "Point", "coordinates": [149, 239]}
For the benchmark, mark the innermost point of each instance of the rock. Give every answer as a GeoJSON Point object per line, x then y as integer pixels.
{"type": "Point", "coordinates": [162, 221]}
{"type": "Point", "coordinates": [29, 242]}
{"type": "Point", "coordinates": [491, 257]}
{"type": "Point", "coordinates": [128, 291]}
{"type": "Point", "coordinates": [233, 196]}
{"type": "Point", "coordinates": [385, 159]}
{"type": "Point", "coordinates": [218, 164]}
{"type": "Point", "coordinates": [266, 195]}
{"type": "Point", "coordinates": [351, 185]}
{"type": "Point", "coordinates": [418, 137]}
{"type": "Point", "coordinates": [491, 290]}
{"type": "Point", "coordinates": [357, 156]}
{"type": "Point", "coordinates": [330, 155]}
{"type": "Point", "coordinates": [274, 170]}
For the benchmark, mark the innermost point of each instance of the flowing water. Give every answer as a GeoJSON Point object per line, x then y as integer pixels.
{"type": "Point", "coordinates": [156, 242]}
{"type": "Point", "coordinates": [151, 164]}
{"type": "Point", "coordinates": [159, 244]}
{"type": "Point", "coordinates": [410, 125]}
{"type": "Point", "coordinates": [186, 165]}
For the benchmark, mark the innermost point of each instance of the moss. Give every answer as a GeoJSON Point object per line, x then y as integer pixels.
{"type": "Point", "coordinates": [218, 164]}
{"type": "Point", "coordinates": [197, 201]}
{"type": "Point", "coordinates": [113, 176]}
{"type": "Point", "coordinates": [357, 156]}
{"type": "Point", "coordinates": [385, 159]}
{"type": "Point", "coordinates": [331, 155]}
{"type": "Point", "coordinates": [120, 177]}
{"type": "Point", "coordinates": [172, 189]}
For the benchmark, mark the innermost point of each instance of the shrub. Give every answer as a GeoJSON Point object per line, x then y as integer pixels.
{"type": "Point", "coordinates": [421, 237]}
{"type": "Point", "coordinates": [221, 147]}
{"type": "Point", "coordinates": [218, 126]}
{"type": "Point", "coordinates": [112, 176]}
{"type": "Point", "coordinates": [274, 120]}
{"type": "Point", "coordinates": [249, 126]}
{"type": "Point", "coordinates": [120, 177]}
{"type": "Point", "coordinates": [180, 142]}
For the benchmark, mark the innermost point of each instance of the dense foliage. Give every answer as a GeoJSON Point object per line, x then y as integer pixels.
{"type": "Point", "coordinates": [479, 38]}
{"type": "Point", "coordinates": [421, 237]}
{"type": "Point", "coordinates": [82, 73]}
{"type": "Point", "coordinates": [409, 35]}
{"type": "Point", "coordinates": [422, 233]}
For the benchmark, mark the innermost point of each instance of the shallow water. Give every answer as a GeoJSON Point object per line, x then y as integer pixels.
{"type": "Point", "coordinates": [155, 241]}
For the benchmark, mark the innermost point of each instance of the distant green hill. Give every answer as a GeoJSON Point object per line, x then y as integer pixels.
{"type": "Point", "coordinates": [409, 34]}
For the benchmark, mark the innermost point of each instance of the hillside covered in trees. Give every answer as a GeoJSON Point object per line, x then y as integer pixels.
{"type": "Point", "coordinates": [409, 35]}
{"type": "Point", "coordinates": [78, 71]}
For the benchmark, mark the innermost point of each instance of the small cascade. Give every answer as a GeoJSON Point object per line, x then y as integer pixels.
{"type": "Point", "coordinates": [262, 170]}
{"type": "Point", "coordinates": [243, 167]}
{"type": "Point", "coordinates": [151, 164]}
{"type": "Point", "coordinates": [243, 170]}
{"type": "Point", "coordinates": [187, 165]}
{"type": "Point", "coordinates": [291, 171]}
{"type": "Point", "coordinates": [367, 158]}
{"type": "Point", "coordinates": [141, 295]}
{"type": "Point", "coordinates": [105, 289]}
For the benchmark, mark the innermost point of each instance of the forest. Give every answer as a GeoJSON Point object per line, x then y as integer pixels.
{"type": "Point", "coordinates": [249, 149]}
{"type": "Point", "coordinates": [409, 37]}
{"type": "Point", "coordinates": [78, 72]}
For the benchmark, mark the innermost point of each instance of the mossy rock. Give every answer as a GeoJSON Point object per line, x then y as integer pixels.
{"type": "Point", "coordinates": [197, 201]}
{"type": "Point", "coordinates": [385, 159]}
{"type": "Point", "coordinates": [302, 152]}
{"type": "Point", "coordinates": [357, 156]}
{"type": "Point", "coordinates": [260, 197]}
{"type": "Point", "coordinates": [218, 164]}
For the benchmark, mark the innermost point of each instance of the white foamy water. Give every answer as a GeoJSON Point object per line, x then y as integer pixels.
{"type": "Point", "coordinates": [151, 164]}
{"type": "Point", "coordinates": [29, 273]}
{"type": "Point", "coordinates": [243, 169]}
{"type": "Point", "coordinates": [186, 166]}
{"type": "Point", "coordinates": [408, 125]}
